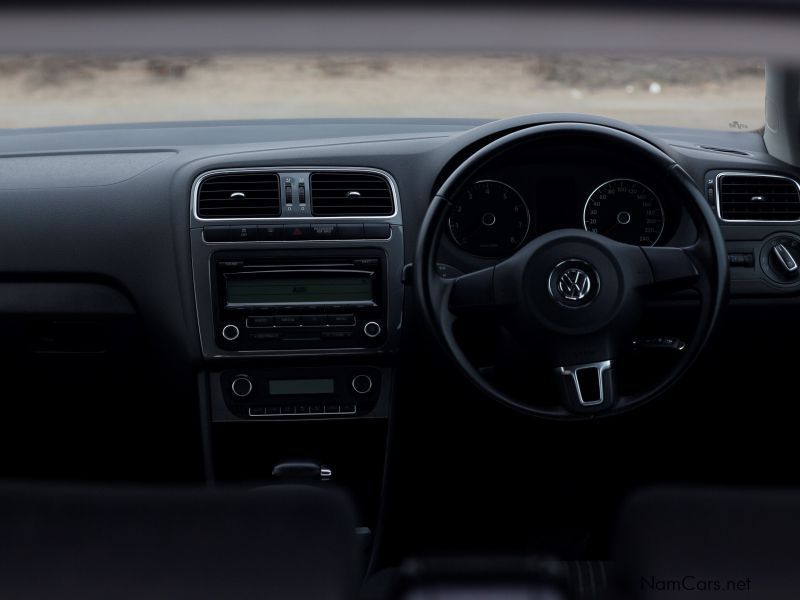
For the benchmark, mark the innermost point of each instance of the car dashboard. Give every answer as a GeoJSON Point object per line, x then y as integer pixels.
{"type": "Point", "coordinates": [265, 265]}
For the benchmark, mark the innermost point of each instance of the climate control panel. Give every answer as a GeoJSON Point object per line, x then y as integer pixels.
{"type": "Point", "coordinates": [318, 392]}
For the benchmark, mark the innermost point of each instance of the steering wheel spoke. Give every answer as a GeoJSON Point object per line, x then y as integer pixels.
{"type": "Point", "coordinates": [472, 292]}
{"type": "Point", "coordinates": [672, 267]}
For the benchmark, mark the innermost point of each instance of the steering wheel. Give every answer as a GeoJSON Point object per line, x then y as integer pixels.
{"type": "Point", "coordinates": [571, 295]}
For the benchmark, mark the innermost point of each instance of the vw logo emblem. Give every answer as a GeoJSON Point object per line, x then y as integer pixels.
{"type": "Point", "coordinates": [574, 284]}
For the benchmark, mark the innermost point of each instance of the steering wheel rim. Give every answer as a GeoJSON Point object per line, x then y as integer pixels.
{"type": "Point", "coordinates": [708, 256]}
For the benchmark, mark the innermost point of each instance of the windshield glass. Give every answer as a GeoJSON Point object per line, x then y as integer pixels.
{"type": "Point", "coordinates": [74, 90]}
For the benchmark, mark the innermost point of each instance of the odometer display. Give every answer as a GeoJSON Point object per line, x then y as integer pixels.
{"type": "Point", "coordinates": [625, 210]}
{"type": "Point", "coordinates": [489, 218]}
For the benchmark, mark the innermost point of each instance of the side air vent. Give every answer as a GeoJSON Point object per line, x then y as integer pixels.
{"type": "Point", "coordinates": [239, 196]}
{"type": "Point", "coordinates": [753, 197]}
{"type": "Point", "coordinates": [346, 194]}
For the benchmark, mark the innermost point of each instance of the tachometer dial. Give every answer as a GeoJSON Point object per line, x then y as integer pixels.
{"type": "Point", "coordinates": [489, 218]}
{"type": "Point", "coordinates": [625, 210]}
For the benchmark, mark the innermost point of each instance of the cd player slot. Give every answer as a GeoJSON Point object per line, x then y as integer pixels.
{"type": "Point", "coordinates": [300, 266]}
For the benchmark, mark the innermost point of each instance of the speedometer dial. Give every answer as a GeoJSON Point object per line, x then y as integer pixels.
{"type": "Point", "coordinates": [489, 218]}
{"type": "Point", "coordinates": [625, 210]}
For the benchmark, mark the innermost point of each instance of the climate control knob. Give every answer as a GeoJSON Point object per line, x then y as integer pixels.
{"type": "Point", "coordinates": [230, 332]}
{"type": "Point", "coordinates": [241, 386]}
{"type": "Point", "coordinates": [362, 384]}
{"type": "Point", "coordinates": [372, 329]}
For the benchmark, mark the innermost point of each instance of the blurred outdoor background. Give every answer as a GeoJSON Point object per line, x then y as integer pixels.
{"type": "Point", "coordinates": [42, 90]}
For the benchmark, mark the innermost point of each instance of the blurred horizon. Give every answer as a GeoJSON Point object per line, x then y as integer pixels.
{"type": "Point", "coordinates": [41, 90]}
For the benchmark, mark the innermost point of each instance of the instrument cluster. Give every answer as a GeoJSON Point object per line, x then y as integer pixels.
{"type": "Point", "coordinates": [493, 216]}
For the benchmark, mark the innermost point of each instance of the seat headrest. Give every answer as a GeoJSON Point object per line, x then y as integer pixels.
{"type": "Point", "coordinates": [725, 543]}
{"type": "Point", "coordinates": [76, 542]}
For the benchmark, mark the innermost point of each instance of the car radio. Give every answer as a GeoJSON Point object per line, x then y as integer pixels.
{"type": "Point", "coordinates": [277, 300]}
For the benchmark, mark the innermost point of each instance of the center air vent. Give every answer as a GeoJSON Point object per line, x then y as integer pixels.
{"type": "Point", "coordinates": [346, 194]}
{"type": "Point", "coordinates": [239, 196]}
{"type": "Point", "coordinates": [752, 197]}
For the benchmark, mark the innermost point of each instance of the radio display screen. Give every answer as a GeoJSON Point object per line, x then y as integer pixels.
{"type": "Point", "coordinates": [294, 288]}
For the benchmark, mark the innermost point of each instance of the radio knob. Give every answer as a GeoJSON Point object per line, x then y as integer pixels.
{"type": "Point", "coordinates": [230, 332]}
{"type": "Point", "coordinates": [362, 384]}
{"type": "Point", "coordinates": [241, 386]}
{"type": "Point", "coordinates": [372, 329]}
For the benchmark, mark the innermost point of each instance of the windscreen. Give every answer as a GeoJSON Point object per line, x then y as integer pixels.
{"type": "Point", "coordinates": [52, 90]}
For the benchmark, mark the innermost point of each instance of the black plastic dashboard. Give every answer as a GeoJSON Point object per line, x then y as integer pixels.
{"type": "Point", "coordinates": [111, 205]}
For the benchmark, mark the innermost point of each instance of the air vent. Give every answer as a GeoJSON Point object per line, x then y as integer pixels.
{"type": "Point", "coordinates": [239, 196]}
{"type": "Point", "coordinates": [750, 197]}
{"type": "Point", "coordinates": [345, 194]}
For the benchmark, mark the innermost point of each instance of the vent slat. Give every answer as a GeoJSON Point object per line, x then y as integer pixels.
{"type": "Point", "coordinates": [262, 196]}
{"type": "Point", "coordinates": [329, 195]}
{"type": "Point", "coordinates": [758, 198]}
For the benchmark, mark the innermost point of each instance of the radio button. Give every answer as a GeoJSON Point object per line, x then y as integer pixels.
{"type": "Point", "coordinates": [216, 234]}
{"type": "Point", "coordinates": [337, 335]}
{"type": "Point", "coordinates": [247, 233]}
{"type": "Point", "coordinates": [272, 410]}
{"type": "Point", "coordinates": [298, 232]}
{"type": "Point", "coordinates": [288, 410]}
{"type": "Point", "coordinates": [349, 409]}
{"type": "Point", "coordinates": [323, 231]}
{"type": "Point", "coordinates": [302, 409]}
{"type": "Point", "coordinates": [230, 332]}
{"type": "Point", "coordinates": [366, 262]}
{"type": "Point", "coordinates": [350, 231]}
{"type": "Point", "coordinates": [287, 321]}
{"type": "Point", "coordinates": [331, 408]}
{"type": "Point", "coordinates": [270, 233]}
{"type": "Point", "coordinates": [260, 321]}
{"type": "Point", "coordinates": [377, 231]}
{"type": "Point", "coordinates": [264, 335]}
{"type": "Point", "coordinates": [312, 320]}
{"type": "Point", "coordinates": [372, 329]}
{"type": "Point", "coordinates": [342, 320]}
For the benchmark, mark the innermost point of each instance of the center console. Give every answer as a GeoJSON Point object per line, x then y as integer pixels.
{"type": "Point", "coordinates": [297, 262]}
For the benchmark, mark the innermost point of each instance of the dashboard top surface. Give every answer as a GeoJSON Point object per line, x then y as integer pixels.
{"type": "Point", "coordinates": [268, 132]}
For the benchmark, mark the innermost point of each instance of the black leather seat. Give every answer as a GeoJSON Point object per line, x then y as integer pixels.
{"type": "Point", "coordinates": [282, 542]}
{"type": "Point", "coordinates": [709, 543]}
